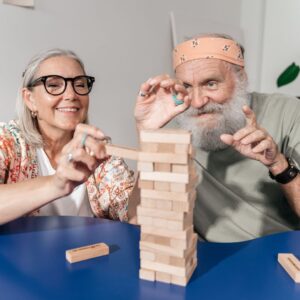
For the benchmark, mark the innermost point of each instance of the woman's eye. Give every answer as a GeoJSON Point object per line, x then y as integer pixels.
{"type": "Point", "coordinates": [52, 85]}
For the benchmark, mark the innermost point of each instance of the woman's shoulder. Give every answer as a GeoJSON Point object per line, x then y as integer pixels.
{"type": "Point", "coordinates": [10, 128]}
{"type": "Point", "coordinates": [10, 134]}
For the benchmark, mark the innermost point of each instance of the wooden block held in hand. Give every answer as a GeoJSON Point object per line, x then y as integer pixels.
{"type": "Point", "coordinates": [123, 152]}
{"type": "Point", "coordinates": [291, 264]}
{"type": "Point", "coordinates": [86, 252]}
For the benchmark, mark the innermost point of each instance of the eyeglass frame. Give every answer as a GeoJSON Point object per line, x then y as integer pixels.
{"type": "Point", "coordinates": [43, 79]}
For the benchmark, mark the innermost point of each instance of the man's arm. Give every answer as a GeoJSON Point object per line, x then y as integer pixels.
{"type": "Point", "coordinates": [256, 143]}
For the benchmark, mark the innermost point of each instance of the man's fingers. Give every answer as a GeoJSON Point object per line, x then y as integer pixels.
{"type": "Point", "coordinates": [254, 137]}
{"type": "Point", "coordinates": [244, 132]}
{"type": "Point", "coordinates": [227, 139]}
{"type": "Point", "coordinates": [250, 115]}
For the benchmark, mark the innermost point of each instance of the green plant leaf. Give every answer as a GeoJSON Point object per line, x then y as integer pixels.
{"type": "Point", "coordinates": [288, 75]}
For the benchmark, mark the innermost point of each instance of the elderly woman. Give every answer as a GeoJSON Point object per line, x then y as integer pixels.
{"type": "Point", "coordinates": [51, 161]}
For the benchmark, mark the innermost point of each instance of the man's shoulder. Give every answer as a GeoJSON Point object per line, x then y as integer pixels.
{"type": "Point", "coordinates": [262, 102]}
{"type": "Point", "coordinates": [274, 98]}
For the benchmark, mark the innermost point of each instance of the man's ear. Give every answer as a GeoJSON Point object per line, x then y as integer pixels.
{"type": "Point", "coordinates": [28, 99]}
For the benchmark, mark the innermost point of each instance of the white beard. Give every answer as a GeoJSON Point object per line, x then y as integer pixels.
{"type": "Point", "coordinates": [229, 119]}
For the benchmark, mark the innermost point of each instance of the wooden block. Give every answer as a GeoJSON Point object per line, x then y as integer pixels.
{"type": "Point", "coordinates": [184, 187]}
{"type": "Point", "coordinates": [124, 152]}
{"type": "Point", "coordinates": [160, 222]}
{"type": "Point", "coordinates": [182, 234]}
{"type": "Point", "coordinates": [163, 204]}
{"type": "Point", "coordinates": [86, 252]}
{"type": "Point", "coordinates": [147, 255]}
{"type": "Point", "coordinates": [169, 148]}
{"type": "Point", "coordinates": [147, 274]}
{"type": "Point", "coordinates": [146, 185]}
{"type": "Point", "coordinates": [190, 169]}
{"type": "Point", "coordinates": [162, 167]}
{"type": "Point", "coordinates": [144, 220]}
{"type": "Point", "coordinates": [145, 166]}
{"type": "Point", "coordinates": [155, 239]}
{"type": "Point", "coordinates": [291, 264]}
{"type": "Point", "coordinates": [163, 277]}
{"type": "Point", "coordinates": [182, 206]}
{"type": "Point", "coordinates": [180, 225]}
{"type": "Point", "coordinates": [160, 267]}
{"type": "Point", "coordinates": [183, 280]}
{"type": "Point", "coordinates": [182, 148]}
{"type": "Point", "coordinates": [161, 186]}
{"type": "Point", "coordinates": [164, 258]}
{"type": "Point", "coordinates": [180, 168]}
{"type": "Point", "coordinates": [185, 262]}
{"type": "Point", "coordinates": [166, 136]}
{"type": "Point", "coordinates": [183, 244]}
{"type": "Point", "coordinates": [166, 195]}
{"type": "Point", "coordinates": [148, 203]}
{"type": "Point", "coordinates": [149, 147]}
{"type": "Point", "coordinates": [161, 249]}
{"type": "Point", "coordinates": [163, 157]}
{"type": "Point", "coordinates": [169, 215]}
{"type": "Point", "coordinates": [165, 177]}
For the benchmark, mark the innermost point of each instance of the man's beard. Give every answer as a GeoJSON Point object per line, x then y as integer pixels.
{"type": "Point", "coordinates": [229, 118]}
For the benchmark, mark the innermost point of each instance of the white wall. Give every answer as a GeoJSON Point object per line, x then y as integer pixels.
{"type": "Point", "coordinates": [252, 26]}
{"type": "Point", "coordinates": [122, 42]}
{"type": "Point", "coordinates": [281, 44]}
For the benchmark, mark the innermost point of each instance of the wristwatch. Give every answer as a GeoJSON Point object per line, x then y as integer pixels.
{"type": "Point", "coordinates": [288, 174]}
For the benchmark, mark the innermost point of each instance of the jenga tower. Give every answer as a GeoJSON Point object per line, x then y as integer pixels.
{"type": "Point", "coordinates": [168, 245]}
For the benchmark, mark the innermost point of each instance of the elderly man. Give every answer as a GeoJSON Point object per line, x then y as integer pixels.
{"type": "Point", "coordinates": [247, 144]}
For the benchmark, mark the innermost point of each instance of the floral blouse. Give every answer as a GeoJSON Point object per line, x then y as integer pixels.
{"type": "Point", "coordinates": [108, 188]}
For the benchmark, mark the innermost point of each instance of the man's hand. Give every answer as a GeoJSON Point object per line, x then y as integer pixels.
{"type": "Point", "coordinates": [254, 142]}
{"type": "Point", "coordinates": [155, 105]}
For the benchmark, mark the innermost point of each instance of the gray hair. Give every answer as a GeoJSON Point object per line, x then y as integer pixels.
{"type": "Point", "coordinates": [28, 124]}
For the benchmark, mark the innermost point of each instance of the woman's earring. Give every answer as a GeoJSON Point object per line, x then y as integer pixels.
{"type": "Point", "coordinates": [34, 114]}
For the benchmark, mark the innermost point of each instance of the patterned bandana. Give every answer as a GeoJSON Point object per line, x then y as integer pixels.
{"type": "Point", "coordinates": [208, 47]}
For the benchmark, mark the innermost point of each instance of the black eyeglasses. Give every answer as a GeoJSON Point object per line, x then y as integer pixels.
{"type": "Point", "coordinates": [56, 85]}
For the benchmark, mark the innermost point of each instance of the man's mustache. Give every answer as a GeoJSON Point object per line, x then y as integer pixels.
{"type": "Point", "coordinates": [207, 109]}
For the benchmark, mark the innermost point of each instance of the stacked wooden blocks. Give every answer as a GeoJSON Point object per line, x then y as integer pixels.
{"type": "Point", "coordinates": [167, 182]}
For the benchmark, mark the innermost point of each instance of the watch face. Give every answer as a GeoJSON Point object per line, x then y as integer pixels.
{"type": "Point", "coordinates": [293, 172]}
{"type": "Point", "coordinates": [292, 163]}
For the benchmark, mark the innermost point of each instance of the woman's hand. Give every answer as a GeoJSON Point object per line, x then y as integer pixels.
{"type": "Point", "coordinates": [80, 157]}
{"type": "Point", "coordinates": [160, 99]}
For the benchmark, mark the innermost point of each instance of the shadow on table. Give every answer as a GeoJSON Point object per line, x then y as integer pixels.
{"type": "Point", "coordinates": [209, 256]}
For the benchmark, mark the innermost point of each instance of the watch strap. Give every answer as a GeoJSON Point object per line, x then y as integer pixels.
{"type": "Point", "coordinates": [287, 175]}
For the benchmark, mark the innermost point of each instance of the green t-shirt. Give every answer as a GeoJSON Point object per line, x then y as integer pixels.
{"type": "Point", "coordinates": [236, 199]}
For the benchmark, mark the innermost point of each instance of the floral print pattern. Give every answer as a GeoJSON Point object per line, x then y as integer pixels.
{"type": "Point", "coordinates": [108, 188]}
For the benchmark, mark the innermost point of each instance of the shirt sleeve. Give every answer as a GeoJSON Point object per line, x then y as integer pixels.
{"type": "Point", "coordinates": [115, 183]}
{"type": "Point", "coordinates": [6, 153]}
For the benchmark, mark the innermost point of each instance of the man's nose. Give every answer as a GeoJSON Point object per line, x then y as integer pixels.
{"type": "Point", "coordinates": [199, 98]}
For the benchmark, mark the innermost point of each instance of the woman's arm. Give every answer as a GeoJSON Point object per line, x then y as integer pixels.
{"type": "Point", "coordinates": [18, 199]}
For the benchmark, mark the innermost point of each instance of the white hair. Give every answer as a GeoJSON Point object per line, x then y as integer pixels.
{"type": "Point", "coordinates": [230, 118]}
{"type": "Point", "coordinates": [27, 123]}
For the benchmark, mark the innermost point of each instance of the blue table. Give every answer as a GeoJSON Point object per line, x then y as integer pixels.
{"type": "Point", "coordinates": [33, 264]}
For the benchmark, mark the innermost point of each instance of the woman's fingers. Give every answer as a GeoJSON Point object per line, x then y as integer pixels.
{"type": "Point", "coordinates": [86, 129]}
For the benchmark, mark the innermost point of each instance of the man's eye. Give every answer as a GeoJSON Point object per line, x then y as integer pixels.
{"type": "Point", "coordinates": [186, 85]}
{"type": "Point", "coordinates": [212, 84]}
